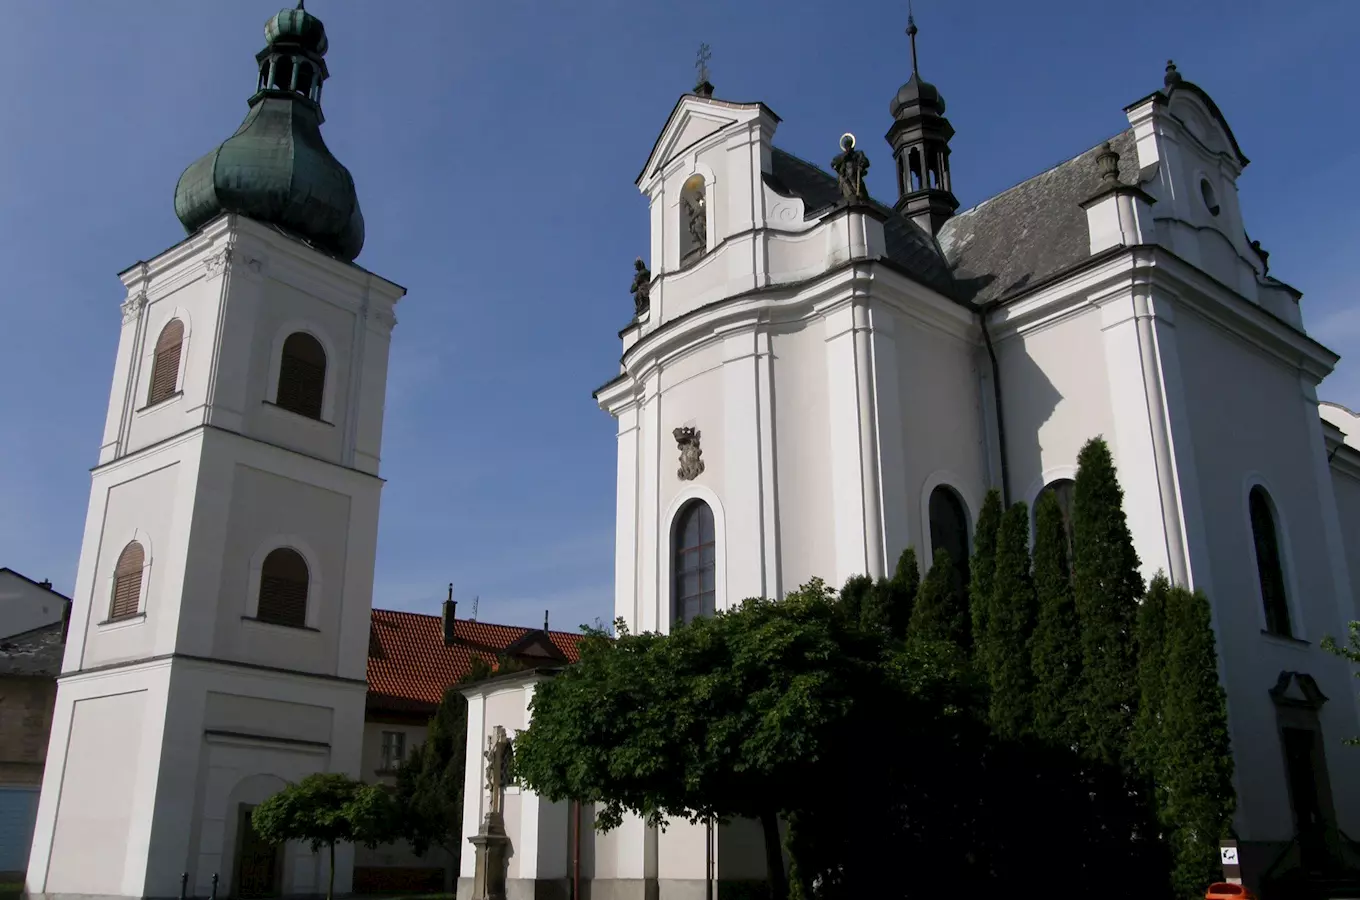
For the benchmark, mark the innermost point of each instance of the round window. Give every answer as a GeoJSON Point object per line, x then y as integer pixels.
{"type": "Point", "coordinates": [1206, 190]}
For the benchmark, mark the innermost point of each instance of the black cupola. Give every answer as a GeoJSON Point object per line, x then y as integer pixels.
{"type": "Point", "coordinates": [920, 140]}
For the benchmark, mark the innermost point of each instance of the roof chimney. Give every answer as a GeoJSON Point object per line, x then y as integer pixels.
{"type": "Point", "coordinates": [545, 620]}
{"type": "Point", "coordinates": [450, 609]}
{"type": "Point", "coordinates": [46, 584]}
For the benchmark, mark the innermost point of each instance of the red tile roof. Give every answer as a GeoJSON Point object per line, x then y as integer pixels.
{"type": "Point", "coordinates": [409, 667]}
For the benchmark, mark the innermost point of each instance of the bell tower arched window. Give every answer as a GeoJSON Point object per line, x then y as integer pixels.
{"type": "Point", "coordinates": [693, 220]}
{"type": "Point", "coordinates": [284, 581]}
{"type": "Point", "coordinates": [165, 363]}
{"type": "Point", "coordinates": [694, 549]}
{"type": "Point", "coordinates": [302, 375]}
{"type": "Point", "coordinates": [1269, 565]}
{"type": "Point", "coordinates": [127, 582]}
{"type": "Point", "coordinates": [949, 527]}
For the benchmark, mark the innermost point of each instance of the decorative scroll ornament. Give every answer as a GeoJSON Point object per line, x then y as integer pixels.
{"type": "Point", "coordinates": [642, 288]}
{"type": "Point", "coordinates": [216, 263]}
{"type": "Point", "coordinates": [132, 306]}
{"type": "Point", "coordinates": [691, 461]}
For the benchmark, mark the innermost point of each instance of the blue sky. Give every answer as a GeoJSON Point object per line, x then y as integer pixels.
{"type": "Point", "coordinates": [495, 146]}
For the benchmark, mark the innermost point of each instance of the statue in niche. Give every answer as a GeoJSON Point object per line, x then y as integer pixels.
{"type": "Point", "coordinates": [691, 462]}
{"type": "Point", "coordinates": [499, 757]}
{"type": "Point", "coordinates": [850, 166]}
{"type": "Point", "coordinates": [642, 287]}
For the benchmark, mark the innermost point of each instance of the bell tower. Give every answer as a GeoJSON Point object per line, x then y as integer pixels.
{"type": "Point", "coordinates": [920, 140]}
{"type": "Point", "coordinates": [218, 640]}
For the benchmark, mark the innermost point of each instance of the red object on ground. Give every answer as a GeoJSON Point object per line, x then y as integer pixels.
{"type": "Point", "coordinates": [1224, 890]}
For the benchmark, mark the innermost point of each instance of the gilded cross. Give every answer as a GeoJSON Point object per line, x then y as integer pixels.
{"type": "Point", "coordinates": [701, 63]}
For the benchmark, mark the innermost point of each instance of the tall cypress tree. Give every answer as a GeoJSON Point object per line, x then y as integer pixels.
{"type": "Point", "coordinates": [1056, 658]}
{"type": "Point", "coordinates": [1196, 755]}
{"type": "Point", "coordinates": [1106, 586]}
{"type": "Point", "coordinates": [855, 596]}
{"type": "Point", "coordinates": [941, 609]}
{"type": "Point", "coordinates": [980, 570]}
{"type": "Point", "coordinates": [899, 594]}
{"type": "Point", "coordinates": [1148, 729]}
{"type": "Point", "coordinates": [1010, 625]}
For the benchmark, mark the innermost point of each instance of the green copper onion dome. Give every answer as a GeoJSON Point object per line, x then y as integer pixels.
{"type": "Point", "coordinates": [276, 167]}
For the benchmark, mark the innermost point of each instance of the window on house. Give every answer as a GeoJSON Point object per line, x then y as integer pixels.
{"type": "Point", "coordinates": [949, 527]}
{"type": "Point", "coordinates": [1064, 489]}
{"type": "Point", "coordinates": [302, 375]}
{"type": "Point", "coordinates": [165, 365]}
{"type": "Point", "coordinates": [283, 589]}
{"type": "Point", "coordinates": [127, 582]}
{"type": "Point", "coordinates": [695, 548]}
{"type": "Point", "coordinates": [393, 750]}
{"type": "Point", "coordinates": [1269, 566]}
{"type": "Point", "coordinates": [693, 220]}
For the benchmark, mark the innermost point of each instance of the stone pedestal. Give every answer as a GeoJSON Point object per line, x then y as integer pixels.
{"type": "Point", "coordinates": [493, 859]}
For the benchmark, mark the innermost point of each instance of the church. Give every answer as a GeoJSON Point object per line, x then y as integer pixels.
{"type": "Point", "coordinates": [812, 381]}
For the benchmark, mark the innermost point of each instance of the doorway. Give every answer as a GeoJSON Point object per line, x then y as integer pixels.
{"type": "Point", "coordinates": [259, 864]}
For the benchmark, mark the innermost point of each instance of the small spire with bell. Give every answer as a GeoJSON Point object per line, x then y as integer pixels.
{"type": "Point", "coordinates": [1172, 77]}
{"type": "Point", "coordinates": [702, 86]}
{"type": "Point", "coordinates": [920, 140]}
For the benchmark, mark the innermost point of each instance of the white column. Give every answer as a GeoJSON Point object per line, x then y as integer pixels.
{"type": "Point", "coordinates": [769, 485]}
{"type": "Point", "coordinates": [626, 519]}
{"type": "Point", "coordinates": [653, 596]}
{"type": "Point", "coordinates": [743, 478]}
{"type": "Point", "coordinates": [473, 787]}
{"type": "Point", "coordinates": [890, 433]}
{"type": "Point", "coordinates": [1133, 447]}
{"type": "Point", "coordinates": [526, 843]}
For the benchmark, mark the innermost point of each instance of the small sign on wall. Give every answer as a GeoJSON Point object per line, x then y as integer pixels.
{"type": "Point", "coordinates": [1232, 867]}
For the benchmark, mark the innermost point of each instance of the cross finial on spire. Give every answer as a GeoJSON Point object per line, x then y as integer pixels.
{"type": "Point", "coordinates": [701, 64]}
{"type": "Point", "coordinates": [911, 33]}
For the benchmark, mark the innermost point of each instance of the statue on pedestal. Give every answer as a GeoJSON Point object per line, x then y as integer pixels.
{"type": "Point", "coordinates": [491, 842]}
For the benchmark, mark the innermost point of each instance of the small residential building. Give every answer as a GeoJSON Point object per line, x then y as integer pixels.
{"type": "Point", "coordinates": [32, 633]}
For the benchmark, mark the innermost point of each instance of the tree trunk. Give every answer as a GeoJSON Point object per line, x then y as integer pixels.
{"type": "Point", "coordinates": [330, 887]}
{"type": "Point", "coordinates": [774, 857]}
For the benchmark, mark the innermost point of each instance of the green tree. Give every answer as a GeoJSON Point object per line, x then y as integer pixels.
{"type": "Point", "coordinates": [857, 596]}
{"type": "Point", "coordinates": [1106, 588]}
{"type": "Point", "coordinates": [323, 810]}
{"type": "Point", "coordinates": [1352, 653]}
{"type": "Point", "coordinates": [1010, 625]}
{"type": "Point", "coordinates": [981, 568]}
{"type": "Point", "coordinates": [888, 606]}
{"type": "Point", "coordinates": [731, 716]}
{"type": "Point", "coordinates": [941, 609]}
{"type": "Point", "coordinates": [1196, 756]}
{"type": "Point", "coordinates": [1056, 656]}
{"type": "Point", "coordinates": [1148, 731]}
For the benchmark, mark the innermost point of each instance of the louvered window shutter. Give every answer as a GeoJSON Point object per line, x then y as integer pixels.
{"type": "Point", "coordinates": [302, 375]}
{"type": "Point", "coordinates": [165, 368]}
{"type": "Point", "coordinates": [127, 582]}
{"type": "Point", "coordinates": [283, 589]}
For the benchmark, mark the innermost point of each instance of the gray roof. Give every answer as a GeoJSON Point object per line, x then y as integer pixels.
{"type": "Point", "coordinates": [33, 653]}
{"type": "Point", "coordinates": [1035, 230]}
{"type": "Point", "coordinates": [907, 244]}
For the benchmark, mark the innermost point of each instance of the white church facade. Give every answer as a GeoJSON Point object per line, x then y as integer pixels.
{"type": "Point", "coordinates": [812, 382]}
{"type": "Point", "coordinates": [816, 381]}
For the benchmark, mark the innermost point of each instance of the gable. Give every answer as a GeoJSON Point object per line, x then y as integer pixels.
{"type": "Point", "coordinates": [692, 120]}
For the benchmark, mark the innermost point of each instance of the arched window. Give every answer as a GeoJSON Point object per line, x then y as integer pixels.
{"type": "Point", "coordinates": [302, 375]}
{"type": "Point", "coordinates": [949, 527]}
{"type": "Point", "coordinates": [694, 547]}
{"type": "Point", "coordinates": [1269, 566]}
{"type": "Point", "coordinates": [165, 367]}
{"type": "Point", "coordinates": [283, 589]}
{"type": "Point", "coordinates": [127, 582]}
{"type": "Point", "coordinates": [693, 220]}
{"type": "Point", "coordinates": [1064, 490]}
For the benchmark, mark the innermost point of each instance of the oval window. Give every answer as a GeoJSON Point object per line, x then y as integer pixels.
{"type": "Point", "coordinates": [1206, 190]}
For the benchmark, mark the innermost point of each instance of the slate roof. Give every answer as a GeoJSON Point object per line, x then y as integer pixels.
{"type": "Point", "coordinates": [409, 667]}
{"type": "Point", "coordinates": [35, 653]}
{"type": "Point", "coordinates": [1032, 231]}
{"type": "Point", "coordinates": [907, 244]}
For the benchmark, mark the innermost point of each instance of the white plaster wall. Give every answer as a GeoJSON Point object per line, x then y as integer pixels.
{"type": "Point", "coordinates": [1055, 397]}
{"type": "Point", "coordinates": [1251, 421]}
{"type": "Point", "coordinates": [1347, 488]}
{"type": "Point", "coordinates": [25, 606]}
